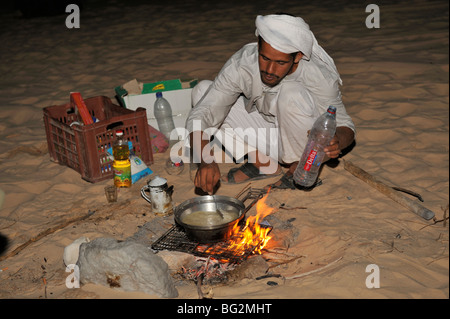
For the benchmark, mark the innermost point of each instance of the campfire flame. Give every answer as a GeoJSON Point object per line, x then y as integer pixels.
{"type": "Point", "coordinates": [253, 234]}
{"type": "Point", "coordinates": [243, 240]}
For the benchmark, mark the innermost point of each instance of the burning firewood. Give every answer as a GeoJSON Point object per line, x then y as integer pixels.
{"type": "Point", "coordinates": [208, 270]}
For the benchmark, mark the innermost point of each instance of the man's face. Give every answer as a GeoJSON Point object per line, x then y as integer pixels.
{"type": "Point", "coordinates": [275, 65]}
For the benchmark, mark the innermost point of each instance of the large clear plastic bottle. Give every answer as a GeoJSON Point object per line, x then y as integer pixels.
{"type": "Point", "coordinates": [122, 164]}
{"type": "Point", "coordinates": [322, 132]}
{"type": "Point", "coordinates": [163, 115]}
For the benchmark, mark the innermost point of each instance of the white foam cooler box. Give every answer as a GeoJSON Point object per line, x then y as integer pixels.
{"type": "Point", "coordinates": [177, 92]}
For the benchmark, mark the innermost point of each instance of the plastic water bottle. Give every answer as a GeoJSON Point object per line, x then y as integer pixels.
{"type": "Point", "coordinates": [121, 164]}
{"type": "Point", "coordinates": [321, 134]}
{"type": "Point", "coordinates": [174, 166]}
{"type": "Point", "coordinates": [163, 114]}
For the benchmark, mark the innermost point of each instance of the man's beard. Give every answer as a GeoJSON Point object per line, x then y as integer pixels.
{"type": "Point", "coordinates": [273, 81]}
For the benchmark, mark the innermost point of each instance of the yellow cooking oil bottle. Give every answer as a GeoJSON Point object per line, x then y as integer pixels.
{"type": "Point", "coordinates": [122, 164]}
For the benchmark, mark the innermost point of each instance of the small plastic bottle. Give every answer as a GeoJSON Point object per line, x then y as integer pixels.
{"type": "Point", "coordinates": [321, 134]}
{"type": "Point", "coordinates": [122, 164]}
{"type": "Point", "coordinates": [163, 115]}
{"type": "Point", "coordinates": [174, 166]}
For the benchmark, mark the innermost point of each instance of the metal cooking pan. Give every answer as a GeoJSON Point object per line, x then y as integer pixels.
{"type": "Point", "coordinates": [203, 224]}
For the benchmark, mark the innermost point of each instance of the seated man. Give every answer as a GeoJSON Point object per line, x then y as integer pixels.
{"type": "Point", "coordinates": [264, 101]}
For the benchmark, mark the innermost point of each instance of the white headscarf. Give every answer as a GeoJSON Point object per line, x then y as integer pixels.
{"type": "Point", "coordinates": [290, 34]}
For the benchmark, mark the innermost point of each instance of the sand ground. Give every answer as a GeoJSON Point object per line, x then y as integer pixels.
{"type": "Point", "coordinates": [395, 88]}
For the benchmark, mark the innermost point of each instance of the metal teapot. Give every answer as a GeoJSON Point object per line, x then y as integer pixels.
{"type": "Point", "coordinates": [160, 196]}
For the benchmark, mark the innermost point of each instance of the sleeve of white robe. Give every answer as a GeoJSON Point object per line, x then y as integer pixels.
{"type": "Point", "coordinates": [235, 78]}
{"type": "Point", "coordinates": [324, 87]}
{"type": "Point", "coordinates": [215, 104]}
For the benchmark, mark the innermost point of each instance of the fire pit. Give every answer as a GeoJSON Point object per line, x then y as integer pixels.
{"type": "Point", "coordinates": [247, 238]}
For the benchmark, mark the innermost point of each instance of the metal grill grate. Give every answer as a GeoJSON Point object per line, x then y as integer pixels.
{"type": "Point", "coordinates": [176, 239]}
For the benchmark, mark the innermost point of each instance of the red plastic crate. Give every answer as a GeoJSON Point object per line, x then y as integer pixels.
{"type": "Point", "coordinates": [83, 147]}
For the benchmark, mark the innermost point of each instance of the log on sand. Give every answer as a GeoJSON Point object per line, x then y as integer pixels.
{"type": "Point", "coordinates": [413, 206]}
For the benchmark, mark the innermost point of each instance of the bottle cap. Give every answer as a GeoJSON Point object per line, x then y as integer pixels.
{"type": "Point", "coordinates": [158, 94]}
{"type": "Point", "coordinates": [177, 161]}
{"type": "Point", "coordinates": [331, 109]}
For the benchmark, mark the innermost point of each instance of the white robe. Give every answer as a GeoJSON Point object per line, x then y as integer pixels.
{"type": "Point", "coordinates": [290, 108]}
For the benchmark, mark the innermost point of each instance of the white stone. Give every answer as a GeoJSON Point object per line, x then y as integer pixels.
{"type": "Point", "coordinates": [72, 251]}
{"type": "Point", "coordinates": [126, 265]}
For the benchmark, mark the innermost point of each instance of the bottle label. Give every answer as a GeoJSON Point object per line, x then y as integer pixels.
{"type": "Point", "coordinates": [310, 160]}
{"type": "Point", "coordinates": [122, 173]}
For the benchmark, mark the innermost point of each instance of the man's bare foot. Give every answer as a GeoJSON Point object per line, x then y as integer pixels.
{"type": "Point", "coordinates": [247, 172]}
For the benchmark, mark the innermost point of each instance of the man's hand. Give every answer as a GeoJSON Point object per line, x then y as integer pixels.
{"type": "Point", "coordinates": [333, 149]}
{"type": "Point", "coordinates": [342, 139]}
{"type": "Point", "coordinates": [208, 172]}
{"type": "Point", "coordinates": [207, 177]}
